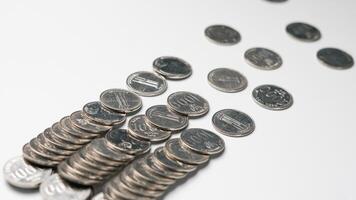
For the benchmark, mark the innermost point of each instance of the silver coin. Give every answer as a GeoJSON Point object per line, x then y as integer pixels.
{"type": "Point", "coordinates": [233, 123]}
{"type": "Point", "coordinates": [68, 127]}
{"type": "Point", "coordinates": [100, 147]}
{"type": "Point", "coordinates": [140, 170]}
{"type": "Point", "coordinates": [59, 132]}
{"type": "Point", "coordinates": [146, 83]}
{"type": "Point", "coordinates": [99, 196]}
{"type": "Point", "coordinates": [264, 59]}
{"type": "Point", "coordinates": [172, 67]}
{"type": "Point", "coordinates": [70, 174]}
{"type": "Point", "coordinates": [202, 141]}
{"type": "Point", "coordinates": [272, 97]}
{"type": "Point", "coordinates": [303, 32]}
{"type": "Point", "coordinates": [139, 128]}
{"type": "Point", "coordinates": [43, 141]}
{"type": "Point", "coordinates": [121, 100]}
{"type": "Point", "coordinates": [21, 174]}
{"type": "Point", "coordinates": [227, 80]}
{"type": "Point", "coordinates": [58, 142]}
{"type": "Point", "coordinates": [163, 118]}
{"type": "Point", "coordinates": [96, 112]}
{"type": "Point", "coordinates": [175, 165]}
{"type": "Point", "coordinates": [54, 187]}
{"type": "Point", "coordinates": [187, 103]}
{"type": "Point", "coordinates": [335, 58]}
{"type": "Point", "coordinates": [161, 170]}
{"type": "Point", "coordinates": [79, 121]}
{"type": "Point", "coordinates": [32, 157]}
{"type": "Point", "coordinates": [223, 34]}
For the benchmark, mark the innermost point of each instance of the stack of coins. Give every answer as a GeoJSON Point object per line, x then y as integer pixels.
{"type": "Point", "coordinates": [150, 176]}
{"type": "Point", "coordinates": [102, 158]}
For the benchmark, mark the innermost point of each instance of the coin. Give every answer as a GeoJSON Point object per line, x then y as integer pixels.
{"type": "Point", "coordinates": [303, 32]}
{"type": "Point", "coordinates": [161, 170]}
{"type": "Point", "coordinates": [96, 112]}
{"type": "Point", "coordinates": [264, 59]}
{"type": "Point", "coordinates": [121, 100]}
{"type": "Point", "coordinates": [335, 58]}
{"type": "Point", "coordinates": [68, 127]}
{"type": "Point", "coordinates": [233, 123]}
{"type": "Point", "coordinates": [172, 67]}
{"type": "Point", "coordinates": [59, 132]}
{"type": "Point", "coordinates": [272, 97]}
{"type": "Point", "coordinates": [146, 83]}
{"type": "Point", "coordinates": [38, 149]}
{"type": "Point", "coordinates": [54, 187]}
{"type": "Point", "coordinates": [30, 156]}
{"type": "Point", "coordinates": [163, 118]}
{"type": "Point", "coordinates": [227, 80]}
{"type": "Point", "coordinates": [43, 141]}
{"type": "Point", "coordinates": [21, 174]}
{"type": "Point", "coordinates": [175, 165]}
{"type": "Point", "coordinates": [187, 103]}
{"type": "Point", "coordinates": [222, 34]}
{"type": "Point", "coordinates": [100, 147]}
{"type": "Point", "coordinates": [139, 128]}
{"type": "Point", "coordinates": [202, 141]}
{"type": "Point", "coordinates": [144, 183]}
{"type": "Point", "coordinates": [79, 121]}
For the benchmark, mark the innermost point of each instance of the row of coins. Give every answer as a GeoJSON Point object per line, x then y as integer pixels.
{"type": "Point", "coordinates": [150, 176]}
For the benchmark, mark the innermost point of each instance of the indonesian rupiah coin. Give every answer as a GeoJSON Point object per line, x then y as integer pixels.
{"type": "Point", "coordinates": [227, 80]}
{"type": "Point", "coordinates": [139, 128]}
{"type": "Point", "coordinates": [172, 67]}
{"type": "Point", "coordinates": [187, 103]}
{"type": "Point", "coordinates": [121, 100]}
{"type": "Point", "coordinates": [335, 58]}
{"type": "Point", "coordinates": [79, 121]}
{"type": "Point", "coordinates": [146, 83]}
{"type": "Point", "coordinates": [264, 59]}
{"type": "Point", "coordinates": [222, 34]}
{"type": "Point", "coordinates": [175, 165]}
{"type": "Point", "coordinates": [96, 112]}
{"type": "Point", "coordinates": [303, 31]}
{"type": "Point", "coordinates": [164, 118]}
{"type": "Point", "coordinates": [272, 97]}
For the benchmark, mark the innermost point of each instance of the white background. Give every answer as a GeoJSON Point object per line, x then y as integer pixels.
{"type": "Point", "coordinates": [55, 56]}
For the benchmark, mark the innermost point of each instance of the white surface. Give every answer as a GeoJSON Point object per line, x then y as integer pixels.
{"type": "Point", "coordinates": [57, 55]}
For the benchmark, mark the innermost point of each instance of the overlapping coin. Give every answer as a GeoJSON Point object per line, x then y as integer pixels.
{"type": "Point", "coordinates": [188, 104]}
{"type": "Point", "coordinates": [303, 31]}
{"type": "Point", "coordinates": [264, 59]}
{"type": "Point", "coordinates": [172, 67]}
{"type": "Point", "coordinates": [146, 83]}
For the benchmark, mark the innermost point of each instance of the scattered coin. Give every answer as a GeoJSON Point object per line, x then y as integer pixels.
{"type": "Point", "coordinates": [303, 31]}
{"type": "Point", "coordinates": [272, 97]}
{"type": "Point", "coordinates": [335, 58]}
{"type": "Point", "coordinates": [165, 119]}
{"type": "Point", "coordinates": [172, 67]}
{"type": "Point", "coordinates": [263, 58]}
{"type": "Point", "coordinates": [139, 128]}
{"type": "Point", "coordinates": [233, 123]}
{"type": "Point", "coordinates": [227, 80]}
{"type": "Point", "coordinates": [96, 112]}
{"type": "Point", "coordinates": [187, 103]}
{"type": "Point", "coordinates": [222, 34]}
{"type": "Point", "coordinates": [120, 100]}
{"type": "Point", "coordinates": [146, 83]}
{"type": "Point", "coordinates": [175, 165]}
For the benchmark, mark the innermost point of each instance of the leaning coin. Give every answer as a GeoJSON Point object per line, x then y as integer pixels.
{"type": "Point", "coordinates": [141, 172]}
{"type": "Point", "coordinates": [272, 97]}
{"type": "Point", "coordinates": [79, 121]}
{"type": "Point", "coordinates": [99, 146]}
{"type": "Point", "coordinates": [163, 118]}
{"type": "Point", "coordinates": [233, 123]}
{"type": "Point", "coordinates": [335, 58]}
{"type": "Point", "coordinates": [121, 100]}
{"type": "Point", "coordinates": [54, 187]}
{"type": "Point", "coordinates": [146, 83]}
{"type": "Point", "coordinates": [202, 141]}
{"type": "Point", "coordinates": [96, 112]}
{"type": "Point", "coordinates": [161, 158]}
{"type": "Point", "coordinates": [222, 34]}
{"type": "Point", "coordinates": [34, 158]}
{"type": "Point", "coordinates": [139, 128]}
{"type": "Point", "coordinates": [304, 32]}
{"type": "Point", "coordinates": [70, 128]}
{"type": "Point", "coordinates": [187, 103]}
{"type": "Point", "coordinates": [172, 67]}
{"type": "Point", "coordinates": [264, 59]}
{"type": "Point", "coordinates": [161, 170]}
{"type": "Point", "coordinates": [227, 80]}
{"type": "Point", "coordinates": [59, 132]}
{"type": "Point", "coordinates": [21, 174]}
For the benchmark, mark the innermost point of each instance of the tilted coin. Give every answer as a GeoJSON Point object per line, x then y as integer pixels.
{"type": "Point", "coordinates": [96, 112]}
{"type": "Point", "coordinates": [69, 127]}
{"type": "Point", "coordinates": [227, 80]}
{"type": "Point", "coordinates": [163, 118]}
{"type": "Point", "coordinates": [144, 183]}
{"type": "Point", "coordinates": [223, 34]}
{"type": "Point", "coordinates": [233, 123]}
{"type": "Point", "coordinates": [175, 165]}
{"type": "Point", "coordinates": [272, 97]}
{"type": "Point", "coordinates": [54, 187]}
{"type": "Point", "coordinates": [263, 58]}
{"type": "Point", "coordinates": [79, 121]}
{"type": "Point", "coordinates": [303, 31]}
{"type": "Point", "coordinates": [139, 128]}
{"type": "Point", "coordinates": [202, 141]}
{"type": "Point", "coordinates": [21, 174]}
{"type": "Point", "coordinates": [187, 103]}
{"type": "Point", "coordinates": [70, 174]}
{"type": "Point", "coordinates": [146, 83]}
{"type": "Point", "coordinates": [172, 67]}
{"type": "Point", "coordinates": [335, 58]}
{"type": "Point", "coordinates": [32, 157]}
{"type": "Point", "coordinates": [121, 100]}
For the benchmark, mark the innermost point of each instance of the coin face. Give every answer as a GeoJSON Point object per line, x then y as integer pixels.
{"type": "Point", "coordinates": [121, 100]}
{"type": "Point", "coordinates": [139, 128]}
{"type": "Point", "coordinates": [172, 67]}
{"type": "Point", "coordinates": [227, 80]}
{"type": "Point", "coordinates": [187, 103]}
{"type": "Point", "coordinates": [96, 112]}
{"type": "Point", "coordinates": [165, 119]}
{"type": "Point", "coordinates": [263, 59]}
{"type": "Point", "coordinates": [54, 187]}
{"type": "Point", "coordinates": [233, 123]}
{"type": "Point", "coordinates": [335, 58]}
{"type": "Point", "coordinates": [21, 174]}
{"type": "Point", "coordinates": [303, 32]}
{"type": "Point", "coordinates": [202, 141]}
{"type": "Point", "coordinates": [272, 97]}
{"type": "Point", "coordinates": [222, 34]}
{"type": "Point", "coordinates": [146, 84]}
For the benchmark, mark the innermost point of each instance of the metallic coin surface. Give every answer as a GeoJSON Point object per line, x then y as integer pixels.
{"type": "Point", "coordinates": [303, 32]}
{"type": "Point", "coordinates": [335, 58]}
{"type": "Point", "coordinates": [163, 118]}
{"type": "Point", "coordinates": [227, 80]}
{"type": "Point", "coordinates": [139, 128]}
{"type": "Point", "coordinates": [59, 132]}
{"type": "Point", "coordinates": [140, 169]}
{"type": "Point", "coordinates": [55, 188]}
{"type": "Point", "coordinates": [100, 147]}
{"type": "Point", "coordinates": [19, 173]}
{"type": "Point", "coordinates": [32, 157]}
{"type": "Point", "coordinates": [162, 171]}
{"type": "Point", "coordinates": [96, 112]}
{"type": "Point", "coordinates": [121, 100]}
{"type": "Point", "coordinates": [79, 121]}
{"type": "Point", "coordinates": [175, 165]}
{"type": "Point", "coordinates": [70, 128]}
{"type": "Point", "coordinates": [146, 83]}
{"type": "Point", "coordinates": [223, 34]}
{"type": "Point", "coordinates": [272, 97]}
{"type": "Point", "coordinates": [202, 141]}
{"type": "Point", "coordinates": [176, 151]}
{"type": "Point", "coordinates": [233, 123]}
{"type": "Point", "coordinates": [187, 103]}
{"type": "Point", "coordinates": [264, 59]}
{"type": "Point", "coordinates": [37, 148]}
{"type": "Point", "coordinates": [99, 196]}
{"type": "Point", "coordinates": [172, 67]}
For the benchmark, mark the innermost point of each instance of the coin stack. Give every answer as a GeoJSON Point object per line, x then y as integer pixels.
{"type": "Point", "coordinates": [150, 176]}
